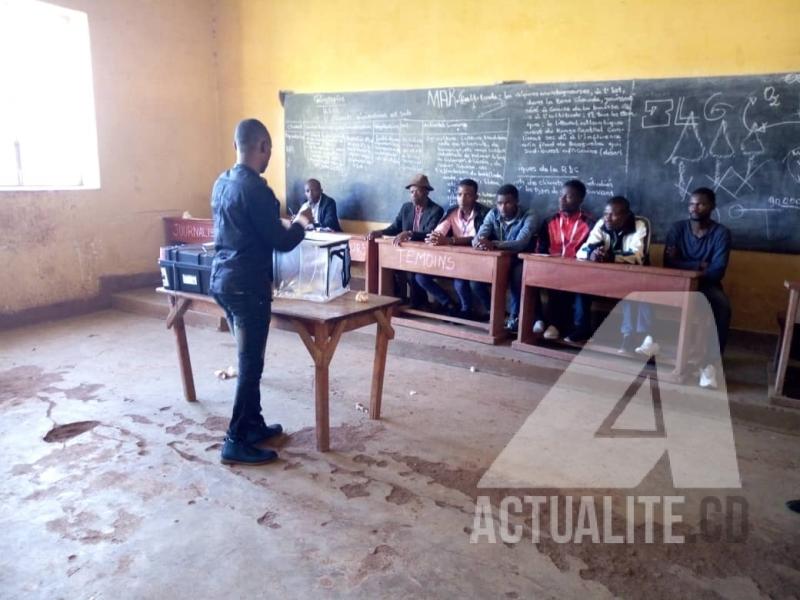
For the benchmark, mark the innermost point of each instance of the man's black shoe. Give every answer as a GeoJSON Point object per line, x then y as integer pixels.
{"type": "Point", "coordinates": [261, 433]}
{"type": "Point", "coordinates": [241, 453]}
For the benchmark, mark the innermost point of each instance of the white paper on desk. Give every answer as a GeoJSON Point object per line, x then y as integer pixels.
{"type": "Point", "coordinates": [542, 254]}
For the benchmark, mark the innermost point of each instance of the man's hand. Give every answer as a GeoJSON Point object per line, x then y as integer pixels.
{"type": "Point", "coordinates": [403, 236]}
{"type": "Point", "coordinates": [703, 266]}
{"type": "Point", "coordinates": [436, 239]}
{"type": "Point", "coordinates": [484, 244]}
{"type": "Point", "coordinates": [671, 252]}
{"type": "Point", "coordinates": [598, 255]}
{"type": "Point", "coordinates": [305, 218]}
{"type": "Point", "coordinates": [373, 235]}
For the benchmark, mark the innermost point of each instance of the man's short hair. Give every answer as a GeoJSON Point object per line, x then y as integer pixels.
{"type": "Point", "coordinates": [469, 183]}
{"type": "Point", "coordinates": [249, 133]}
{"type": "Point", "coordinates": [577, 185]}
{"type": "Point", "coordinates": [620, 201]}
{"type": "Point", "coordinates": [508, 190]}
{"type": "Point", "coordinates": [708, 193]}
{"type": "Point", "coordinates": [313, 181]}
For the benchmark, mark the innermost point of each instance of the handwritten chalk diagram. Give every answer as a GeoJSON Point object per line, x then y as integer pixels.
{"type": "Point", "coordinates": [709, 151]}
{"type": "Point", "coordinates": [651, 140]}
{"type": "Point", "coordinates": [792, 161]}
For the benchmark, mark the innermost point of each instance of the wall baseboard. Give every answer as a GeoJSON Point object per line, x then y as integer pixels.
{"type": "Point", "coordinates": [109, 285]}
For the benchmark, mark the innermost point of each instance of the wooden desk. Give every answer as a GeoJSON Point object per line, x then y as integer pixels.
{"type": "Point", "coordinates": [458, 262]}
{"type": "Point", "coordinates": [611, 280]}
{"type": "Point", "coordinates": [362, 251]}
{"type": "Point", "coordinates": [786, 345]}
{"type": "Point", "coordinates": [320, 325]}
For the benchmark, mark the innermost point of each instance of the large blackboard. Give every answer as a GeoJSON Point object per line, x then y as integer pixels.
{"type": "Point", "coordinates": [651, 140]}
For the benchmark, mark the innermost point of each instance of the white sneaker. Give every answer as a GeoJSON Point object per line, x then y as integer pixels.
{"type": "Point", "coordinates": [649, 347]}
{"type": "Point", "coordinates": [538, 327]}
{"type": "Point", "coordinates": [551, 333]}
{"type": "Point", "coordinates": [708, 377]}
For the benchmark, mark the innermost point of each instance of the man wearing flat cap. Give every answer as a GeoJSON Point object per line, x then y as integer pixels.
{"type": "Point", "coordinates": [415, 221]}
{"type": "Point", "coordinates": [417, 218]}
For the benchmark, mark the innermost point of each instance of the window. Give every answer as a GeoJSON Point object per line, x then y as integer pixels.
{"type": "Point", "coordinates": [48, 136]}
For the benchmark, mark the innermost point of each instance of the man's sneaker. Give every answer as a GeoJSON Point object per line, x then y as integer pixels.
{"type": "Point", "coordinates": [793, 505]}
{"type": "Point", "coordinates": [241, 453]}
{"type": "Point", "coordinates": [512, 324]}
{"type": "Point", "coordinates": [708, 377]}
{"type": "Point", "coordinates": [649, 347]}
{"type": "Point", "coordinates": [538, 327]}
{"type": "Point", "coordinates": [263, 432]}
{"type": "Point", "coordinates": [627, 345]}
{"type": "Point", "coordinates": [552, 333]}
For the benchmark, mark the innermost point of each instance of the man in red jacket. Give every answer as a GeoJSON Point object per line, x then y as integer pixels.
{"type": "Point", "coordinates": [562, 235]}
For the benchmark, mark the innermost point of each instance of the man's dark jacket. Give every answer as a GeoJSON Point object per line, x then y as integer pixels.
{"type": "Point", "coordinates": [327, 214]}
{"type": "Point", "coordinates": [247, 228]}
{"type": "Point", "coordinates": [404, 221]}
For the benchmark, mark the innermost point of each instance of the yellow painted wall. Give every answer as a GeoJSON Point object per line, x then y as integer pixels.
{"type": "Point", "coordinates": [347, 45]}
{"type": "Point", "coordinates": [158, 137]}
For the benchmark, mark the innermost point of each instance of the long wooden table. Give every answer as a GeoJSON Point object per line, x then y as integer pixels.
{"type": "Point", "coordinates": [458, 262]}
{"type": "Point", "coordinates": [319, 325]}
{"type": "Point", "coordinates": [784, 358]}
{"type": "Point", "coordinates": [363, 251]}
{"type": "Point", "coordinates": [610, 280]}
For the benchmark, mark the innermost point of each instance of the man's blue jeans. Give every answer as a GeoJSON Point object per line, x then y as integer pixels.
{"type": "Point", "coordinates": [464, 290]}
{"type": "Point", "coordinates": [644, 317]}
{"type": "Point", "coordinates": [248, 318]}
{"type": "Point", "coordinates": [483, 290]}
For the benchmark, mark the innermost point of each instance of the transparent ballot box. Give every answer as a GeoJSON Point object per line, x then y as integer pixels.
{"type": "Point", "coordinates": [318, 269]}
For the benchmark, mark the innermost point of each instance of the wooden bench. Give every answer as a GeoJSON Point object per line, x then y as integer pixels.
{"type": "Point", "coordinates": [610, 280]}
{"type": "Point", "coordinates": [458, 262]}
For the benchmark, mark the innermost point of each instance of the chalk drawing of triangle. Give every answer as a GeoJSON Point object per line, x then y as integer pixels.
{"type": "Point", "coordinates": [721, 146]}
{"type": "Point", "coordinates": [640, 413]}
{"type": "Point", "coordinates": [689, 146]}
{"type": "Point", "coordinates": [751, 144]}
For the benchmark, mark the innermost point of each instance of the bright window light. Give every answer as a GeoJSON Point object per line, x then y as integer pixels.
{"type": "Point", "coordinates": [48, 136]}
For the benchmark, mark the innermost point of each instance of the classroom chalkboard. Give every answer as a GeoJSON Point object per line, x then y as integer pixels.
{"type": "Point", "coordinates": [651, 140]}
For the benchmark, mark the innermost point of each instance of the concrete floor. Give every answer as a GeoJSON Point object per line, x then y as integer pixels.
{"type": "Point", "coordinates": [130, 500]}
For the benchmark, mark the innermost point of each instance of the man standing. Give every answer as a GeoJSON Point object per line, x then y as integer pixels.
{"type": "Point", "coordinates": [457, 228]}
{"type": "Point", "coordinates": [562, 235]}
{"type": "Point", "coordinates": [507, 227]}
{"type": "Point", "coordinates": [415, 221]}
{"type": "Point", "coordinates": [247, 228]}
{"type": "Point", "coordinates": [702, 244]}
{"type": "Point", "coordinates": [323, 207]}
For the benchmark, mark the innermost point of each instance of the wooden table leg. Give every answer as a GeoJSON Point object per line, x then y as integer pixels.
{"type": "Point", "coordinates": [497, 311]}
{"type": "Point", "coordinates": [527, 308]}
{"type": "Point", "coordinates": [175, 322]}
{"type": "Point", "coordinates": [786, 344]}
{"type": "Point", "coordinates": [384, 333]}
{"type": "Point", "coordinates": [682, 352]}
{"type": "Point", "coordinates": [321, 388]}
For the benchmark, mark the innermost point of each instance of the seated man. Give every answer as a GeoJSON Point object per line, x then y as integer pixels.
{"type": "Point", "coordinates": [562, 235]}
{"type": "Point", "coordinates": [457, 228]}
{"type": "Point", "coordinates": [506, 227]}
{"type": "Point", "coordinates": [622, 238]}
{"type": "Point", "coordinates": [322, 207]}
{"type": "Point", "coordinates": [702, 244]}
{"type": "Point", "coordinates": [415, 221]}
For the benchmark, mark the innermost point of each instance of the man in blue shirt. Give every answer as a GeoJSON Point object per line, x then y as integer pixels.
{"type": "Point", "coordinates": [247, 228]}
{"type": "Point", "coordinates": [507, 227]}
{"type": "Point", "coordinates": [702, 244]}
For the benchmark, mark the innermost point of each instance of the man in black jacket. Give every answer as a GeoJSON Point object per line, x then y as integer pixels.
{"type": "Point", "coordinates": [247, 228]}
{"type": "Point", "coordinates": [415, 221]}
{"type": "Point", "coordinates": [322, 206]}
